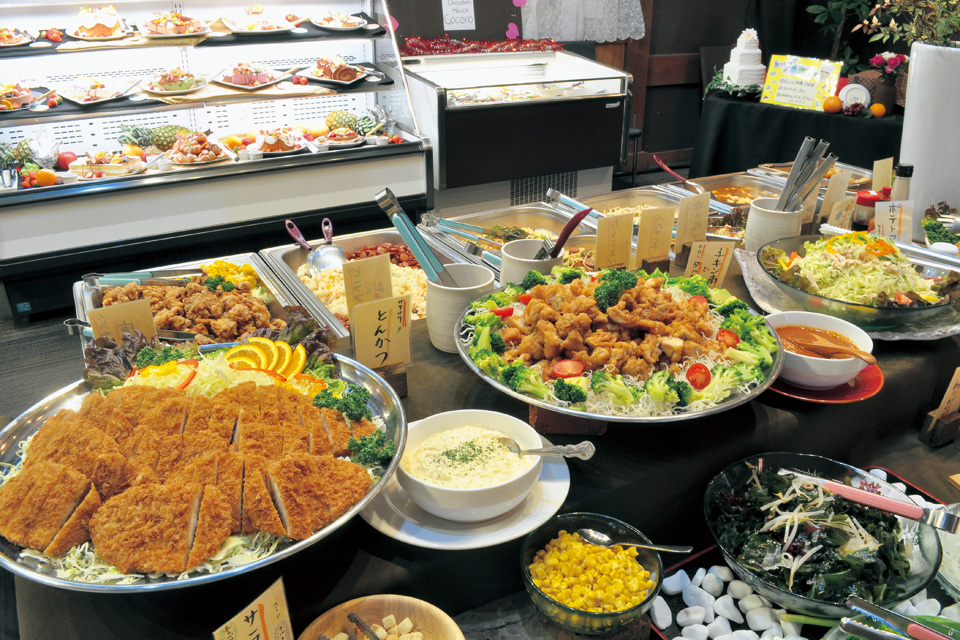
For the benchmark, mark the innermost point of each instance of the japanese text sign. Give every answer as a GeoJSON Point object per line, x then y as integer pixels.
{"type": "Point", "coordinates": [951, 399]}
{"type": "Point", "coordinates": [803, 83]}
{"type": "Point", "coordinates": [114, 320]}
{"type": "Point", "coordinates": [836, 187]}
{"type": "Point", "coordinates": [381, 331]}
{"type": "Point", "coordinates": [266, 618]}
{"type": "Point", "coordinates": [710, 260]}
{"type": "Point", "coordinates": [882, 174]}
{"type": "Point", "coordinates": [367, 280]}
{"type": "Point", "coordinates": [654, 234]}
{"type": "Point", "coordinates": [614, 235]}
{"type": "Point", "coordinates": [692, 220]}
{"type": "Point", "coordinates": [841, 215]}
{"type": "Point", "coordinates": [895, 220]}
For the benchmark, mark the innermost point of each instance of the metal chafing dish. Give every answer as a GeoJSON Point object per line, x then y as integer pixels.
{"type": "Point", "coordinates": [860, 178]}
{"type": "Point", "coordinates": [285, 260]}
{"type": "Point", "coordinates": [87, 297]}
{"type": "Point", "coordinates": [751, 186]}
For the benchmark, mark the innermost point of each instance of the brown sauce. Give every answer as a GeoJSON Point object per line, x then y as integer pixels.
{"type": "Point", "coordinates": [790, 334]}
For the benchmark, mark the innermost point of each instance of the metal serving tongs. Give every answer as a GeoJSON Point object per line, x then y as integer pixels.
{"type": "Point", "coordinates": [904, 625]}
{"type": "Point", "coordinates": [76, 327]}
{"type": "Point", "coordinates": [431, 221]}
{"type": "Point", "coordinates": [425, 256]}
{"type": "Point", "coordinates": [474, 249]}
{"type": "Point", "coordinates": [556, 197]}
{"type": "Point", "coordinates": [158, 277]}
{"type": "Point", "coordinates": [938, 518]}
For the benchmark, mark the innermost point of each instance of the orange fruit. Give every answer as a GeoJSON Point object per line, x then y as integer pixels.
{"type": "Point", "coordinates": [878, 110]}
{"type": "Point", "coordinates": [46, 178]}
{"type": "Point", "coordinates": [833, 104]}
{"type": "Point", "coordinates": [132, 150]}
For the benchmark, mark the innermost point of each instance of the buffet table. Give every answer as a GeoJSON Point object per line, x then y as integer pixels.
{"type": "Point", "coordinates": [652, 477]}
{"type": "Point", "coordinates": [736, 134]}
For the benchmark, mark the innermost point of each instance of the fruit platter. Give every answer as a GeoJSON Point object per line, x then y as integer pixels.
{"type": "Point", "coordinates": [12, 37]}
{"type": "Point", "coordinates": [257, 20]}
{"type": "Point", "coordinates": [339, 22]}
{"type": "Point", "coordinates": [175, 81]}
{"type": "Point", "coordinates": [172, 24]}
{"type": "Point", "coordinates": [681, 349]}
{"type": "Point", "coordinates": [248, 76]}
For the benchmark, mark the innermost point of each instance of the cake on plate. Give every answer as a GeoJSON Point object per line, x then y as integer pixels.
{"type": "Point", "coordinates": [14, 94]}
{"type": "Point", "coordinates": [91, 89]}
{"type": "Point", "coordinates": [745, 67]}
{"type": "Point", "coordinates": [248, 75]}
{"type": "Point", "coordinates": [102, 22]}
{"type": "Point", "coordinates": [174, 80]}
{"type": "Point", "coordinates": [343, 135]}
{"type": "Point", "coordinates": [10, 37]}
{"type": "Point", "coordinates": [173, 23]}
{"type": "Point", "coordinates": [336, 68]}
{"type": "Point", "coordinates": [279, 140]}
{"type": "Point", "coordinates": [109, 164]}
{"type": "Point", "coordinates": [340, 21]}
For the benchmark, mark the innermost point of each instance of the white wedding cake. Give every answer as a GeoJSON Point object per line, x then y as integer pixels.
{"type": "Point", "coordinates": [745, 68]}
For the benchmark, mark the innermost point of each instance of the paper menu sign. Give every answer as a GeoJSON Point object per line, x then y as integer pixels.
{"type": "Point", "coordinates": [112, 321]}
{"type": "Point", "coordinates": [266, 618]}
{"type": "Point", "coordinates": [951, 399]}
{"type": "Point", "coordinates": [692, 219]}
{"type": "Point", "coordinates": [803, 83]}
{"type": "Point", "coordinates": [614, 236]}
{"type": "Point", "coordinates": [654, 235]}
{"type": "Point", "coordinates": [882, 174]}
{"type": "Point", "coordinates": [836, 187]}
{"type": "Point", "coordinates": [842, 213]}
{"type": "Point", "coordinates": [710, 260]}
{"type": "Point", "coordinates": [808, 209]}
{"type": "Point", "coordinates": [458, 15]}
{"type": "Point", "coordinates": [381, 331]}
{"type": "Point", "coordinates": [895, 220]}
{"type": "Point", "coordinates": [367, 280]}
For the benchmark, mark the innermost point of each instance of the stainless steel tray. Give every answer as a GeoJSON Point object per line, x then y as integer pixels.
{"type": "Point", "coordinates": [383, 401]}
{"type": "Point", "coordinates": [630, 198]}
{"type": "Point", "coordinates": [86, 298]}
{"type": "Point", "coordinates": [286, 259]}
{"type": "Point", "coordinates": [860, 178]}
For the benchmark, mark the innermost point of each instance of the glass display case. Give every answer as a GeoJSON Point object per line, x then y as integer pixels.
{"type": "Point", "coordinates": [44, 228]}
{"type": "Point", "coordinates": [500, 116]}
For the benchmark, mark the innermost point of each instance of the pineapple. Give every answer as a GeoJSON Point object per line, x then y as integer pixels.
{"type": "Point", "coordinates": [341, 119]}
{"type": "Point", "coordinates": [164, 136]}
{"type": "Point", "coordinates": [364, 125]}
{"type": "Point", "coordinates": [140, 136]}
{"type": "Point", "coordinates": [22, 152]}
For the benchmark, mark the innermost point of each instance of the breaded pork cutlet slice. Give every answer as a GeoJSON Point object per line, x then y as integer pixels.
{"type": "Point", "coordinates": [296, 486]}
{"type": "Point", "coordinates": [148, 528]}
{"type": "Point", "coordinates": [201, 469]}
{"type": "Point", "coordinates": [39, 501]}
{"type": "Point", "coordinates": [269, 404]}
{"type": "Point", "coordinates": [213, 526]}
{"type": "Point", "coordinates": [168, 415]}
{"type": "Point", "coordinates": [248, 399]}
{"type": "Point", "coordinates": [289, 404]}
{"type": "Point", "coordinates": [259, 512]}
{"type": "Point", "coordinates": [134, 474]}
{"type": "Point", "coordinates": [296, 439]}
{"type": "Point", "coordinates": [224, 412]}
{"type": "Point", "coordinates": [338, 429]}
{"type": "Point", "coordinates": [312, 421]}
{"type": "Point", "coordinates": [128, 400]}
{"type": "Point", "coordinates": [148, 400]}
{"type": "Point", "coordinates": [230, 483]}
{"type": "Point", "coordinates": [344, 483]}
{"type": "Point", "coordinates": [176, 452]}
{"type": "Point", "coordinates": [76, 530]}
{"type": "Point", "coordinates": [260, 438]}
{"type": "Point", "coordinates": [144, 448]}
{"type": "Point", "coordinates": [198, 415]}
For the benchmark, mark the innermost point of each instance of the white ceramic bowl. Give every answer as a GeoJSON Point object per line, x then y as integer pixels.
{"type": "Point", "coordinates": [471, 505]}
{"type": "Point", "coordinates": [807, 372]}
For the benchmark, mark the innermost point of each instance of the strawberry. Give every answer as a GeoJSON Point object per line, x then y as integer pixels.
{"type": "Point", "coordinates": [25, 184]}
{"type": "Point", "coordinates": [54, 35]}
{"type": "Point", "coordinates": [32, 175]}
{"type": "Point", "coordinates": [98, 174]}
{"type": "Point", "coordinates": [295, 79]}
{"type": "Point", "coordinates": [52, 102]}
{"type": "Point", "coordinates": [308, 137]}
{"type": "Point", "coordinates": [246, 141]}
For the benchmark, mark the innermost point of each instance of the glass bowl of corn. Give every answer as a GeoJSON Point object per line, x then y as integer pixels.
{"type": "Point", "coordinates": [588, 589]}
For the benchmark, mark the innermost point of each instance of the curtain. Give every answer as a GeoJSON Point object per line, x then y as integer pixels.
{"type": "Point", "coordinates": [590, 20]}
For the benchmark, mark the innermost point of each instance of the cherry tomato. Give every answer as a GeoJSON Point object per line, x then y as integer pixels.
{"type": "Point", "coordinates": [700, 300]}
{"type": "Point", "coordinates": [524, 298]}
{"type": "Point", "coordinates": [698, 376]}
{"type": "Point", "coordinates": [902, 299]}
{"type": "Point", "coordinates": [570, 369]}
{"type": "Point", "coordinates": [728, 338]}
{"type": "Point", "coordinates": [503, 312]}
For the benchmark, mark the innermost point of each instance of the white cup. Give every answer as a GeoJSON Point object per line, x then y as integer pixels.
{"type": "Point", "coordinates": [517, 260]}
{"type": "Point", "coordinates": [764, 224]}
{"type": "Point", "coordinates": [445, 305]}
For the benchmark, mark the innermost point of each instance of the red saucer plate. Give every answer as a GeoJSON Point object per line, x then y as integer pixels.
{"type": "Point", "coordinates": [866, 385]}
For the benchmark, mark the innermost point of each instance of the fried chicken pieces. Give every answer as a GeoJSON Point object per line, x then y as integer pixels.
{"type": "Point", "coordinates": [218, 316]}
{"type": "Point", "coordinates": [159, 480]}
{"type": "Point", "coordinates": [647, 330]}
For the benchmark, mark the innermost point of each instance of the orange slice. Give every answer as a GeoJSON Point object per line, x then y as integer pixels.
{"type": "Point", "coordinates": [249, 352]}
{"type": "Point", "coordinates": [284, 354]}
{"type": "Point", "coordinates": [269, 349]}
{"type": "Point", "coordinates": [297, 361]}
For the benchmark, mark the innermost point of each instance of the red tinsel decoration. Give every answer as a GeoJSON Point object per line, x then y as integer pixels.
{"type": "Point", "coordinates": [445, 45]}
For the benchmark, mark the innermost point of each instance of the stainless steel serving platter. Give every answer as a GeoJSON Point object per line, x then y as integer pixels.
{"type": "Point", "coordinates": [860, 178]}
{"type": "Point", "coordinates": [285, 260]}
{"type": "Point", "coordinates": [465, 338]}
{"type": "Point", "coordinates": [383, 401]}
{"type": "Point", "coordinates": [87, 298]}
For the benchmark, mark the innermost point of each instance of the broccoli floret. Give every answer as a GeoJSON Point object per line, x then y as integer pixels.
{"type": "Point", "coordinates": [523, 379]}
{"type": "Point", "coordinates": [718, 296]}
{"type": "Point", "coordinates": [513, 291]}
{"type": "Point", "coordinates": [626, 279]}
{"type": "Point", "coordinates": [766, 358]}
{"type": "Point", "coordinates": [747, 372]}
{"type": "Point", "coordinates": [352, 402]}
{"type": "Point", "coordinates": [661, 388]}
{"type": "Point", "coordinates": [722, 383]}
{"type": "Point", "coordinates": [486, 340]}
{"type": "Point", "coordinates": [742, 322]}
{"type": "Point", "coordinates": [568, 392]}
{"type": "Point", "coordinates": [488, 361]}
{"type": "Point", "coordinates": [532, 279]}
{"type": "Point", "coordinates": [684, 392]}
{"type": "Point", "coordinates": [731, 305]}
{"type": "Point", "coordinates": [613, 385]}
{"type": "Point", "coordinates": [566, 275]}
{"type": "Point", "coordinates": [215, 281]}
{"type": "Point", "coordinates": [762, 338]}
{"type": "Point", "coordinates": [503, 298]}
{"type": "Point", "coordinates": [487, 319]}
{"type": "Point", "coordinates": [607, 294]}
{"type": "Point", "coordinates": [693, 285]}
{"type": "Point", "coordinates": [741, 356]}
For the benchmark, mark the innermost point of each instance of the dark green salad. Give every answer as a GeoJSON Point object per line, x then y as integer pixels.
{"type": "Point", "coordinates": [793, 534]}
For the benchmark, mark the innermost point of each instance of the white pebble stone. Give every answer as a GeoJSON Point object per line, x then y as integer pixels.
{"type": "Point", "coordinates": [773, 632]}
{"type": "Point", "coordinates": [761, 618]}
{"type": "Point", "coordinates": [719, 627]}
{"type": "Point", "coordinates": [789, 628]}
{"type": "Point", "coordinates": [952, 612]}
{"type": "Point", "coordinates": [765, 602]}
{"type": "Point", "coordinates": [739, 589]}
{"type": "Point", "coordinates": [724, 573]}
{"type": "Point", "coordinates": [695, 632]}
{"type": "Point", "coordinates": [794, 637]}
{"type": "Point", "coordinates": [745, 634]}
{"type": "Point", "coordinates": [697, 597]}
{"type": "Point", "coordinates": [675, 583]}
{"type": "Point", "coordinates": [920, 597]}
{"type": "Point", "coordinates": [749, 603]}
{"type": "Point", "coordinates": [660, 613]}
{"type": "Point", "coordinates": [905, 609]}
{"type": "Point", "coordinates": [729, 636]}
{"type": "Point", "coordinates": [928, 607]}
{"type": "Point", "coordinates": [690, 616]}
{"type": "Point", "coordinates": [880, 473]}
{"type": "Point", "coordinates": [727, 608]}
{"type": "Point", "coordinates": [712, 585]}
{"type": "Point", "coordinates": [698, 577]}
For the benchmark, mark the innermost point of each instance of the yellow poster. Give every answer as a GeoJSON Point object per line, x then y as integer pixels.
{"type": "Point", "coordinates": [803, 83]}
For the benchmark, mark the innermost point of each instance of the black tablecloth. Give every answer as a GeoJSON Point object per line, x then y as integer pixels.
{"type": "Point", "coordinates": [650, 476]}
{"type": "Point", "coordinates": [737, 134]}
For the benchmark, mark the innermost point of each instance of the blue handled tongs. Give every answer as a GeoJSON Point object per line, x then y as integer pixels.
{"type": "Point", "coordinates": [425, 256]}
{"type": "Point", "coordinates": [157, 277]}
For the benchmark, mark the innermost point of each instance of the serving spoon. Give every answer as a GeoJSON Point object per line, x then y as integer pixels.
{"type": "Point", "coordinates": [823, 346]}
{"type": "Point", "coordinates": [584, 450]}
{"type": "Point", "coordinates": [596, 538]}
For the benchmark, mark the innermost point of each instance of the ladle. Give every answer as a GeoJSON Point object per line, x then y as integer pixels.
{"type": "Point", "coordinates": [821, 345]}
{"type": "Point", "coordinates": [326, 255]}
{"type": "Point", "coordinates": [596, 538]}
{"type": "Point", "coordinates": [584, 450]}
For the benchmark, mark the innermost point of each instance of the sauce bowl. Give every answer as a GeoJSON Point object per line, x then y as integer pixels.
{"type": "Point", "coordinates": [470, 505]}
{"type": "Point", "coordinates": [808, 372]}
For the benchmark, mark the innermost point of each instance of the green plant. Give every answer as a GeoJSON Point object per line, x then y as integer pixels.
{"type": "Point", "coordinates": [935, 22]}
{"type": "Point", "coordinates": [834, 16]}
